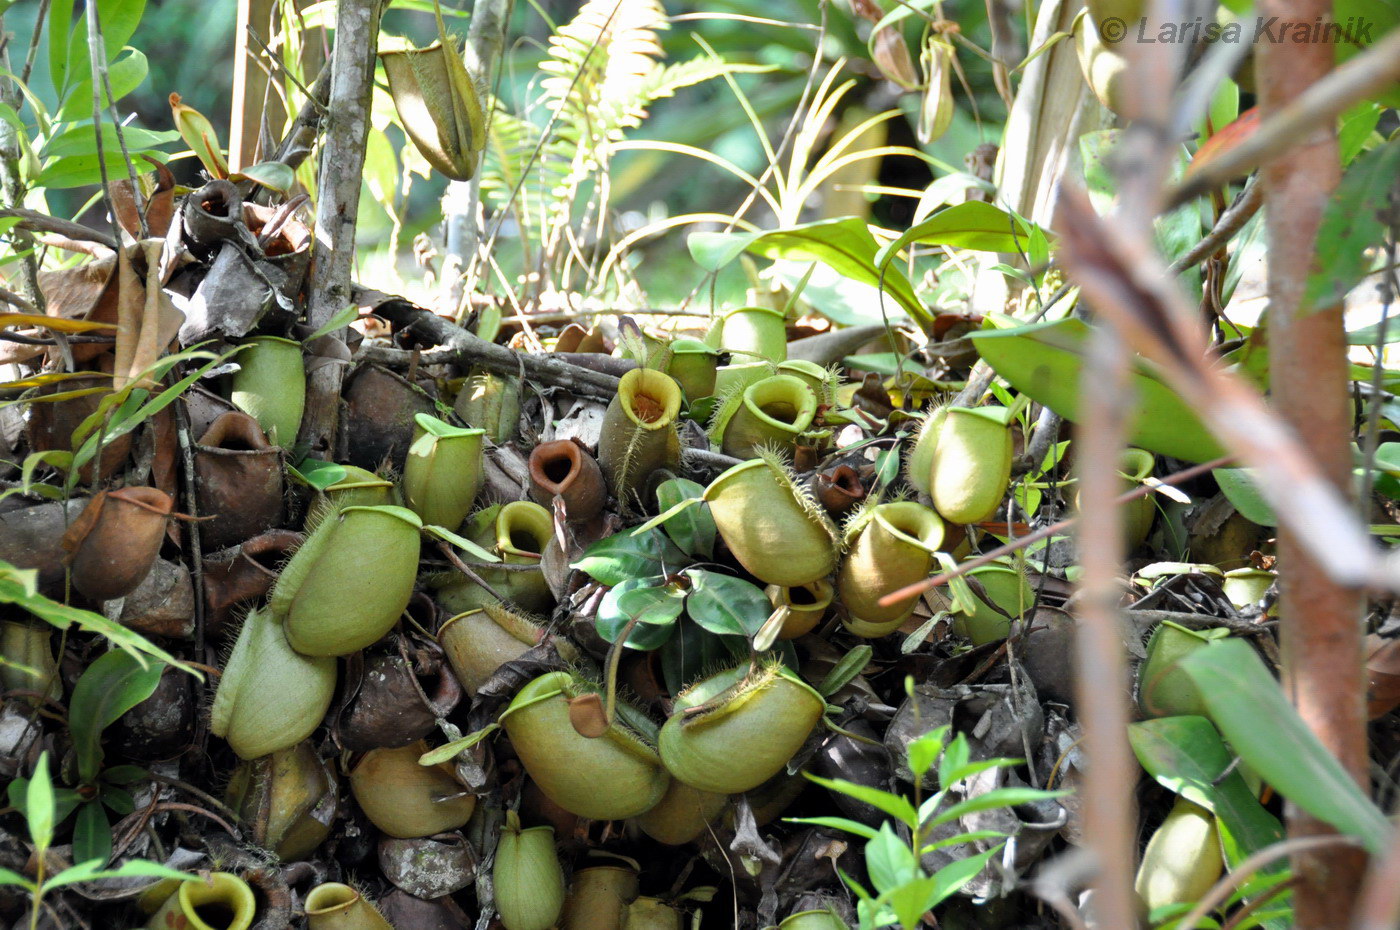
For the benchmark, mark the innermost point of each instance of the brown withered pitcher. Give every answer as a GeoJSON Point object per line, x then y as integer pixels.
{"type": "Point", "coordinates": [239, 481]}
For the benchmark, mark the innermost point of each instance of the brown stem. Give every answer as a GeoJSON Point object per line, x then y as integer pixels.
{"type": "Point", "coordinates": [1101, 680]}
{"type": "Point", "coordinates": [338, 182]}
{"type": "Point", "coordinates": [1319, 619]}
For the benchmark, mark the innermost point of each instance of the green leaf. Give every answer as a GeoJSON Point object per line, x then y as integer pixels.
{"type": "Point", "coordinates": [126, 74]}
{"type": "Point", "coordinates": [344, 318]}
{"type": "Point", "coordinates": [318, 474]}
{"type": "Point", "coordinates": [892, 804]}
{"type": "Point", "coordinates": [726, 605]}
{"type": "Point", "coordinates": [1243, 493]}
{"type": "Point", "coordinates": [954, 758]}
{"type": "Point", "coordinates": [273, 175]}
{"type": "Point", "coordinates": [837, 823]}
{"type": "Point", "coordinates": [972, 225]}
{"type": "Point", "coordinates": [118, 19]}
{"type": "Point", "coordinates": [845, 671]}
{"type": "Point", "coordinates": [1186, 755]}
{"type": "Point", "coordinates": [92, 834]}
{"type": "Point", "coordinates": [108, 688]}
{"type": "Point", "coordinates": [956, 874]}
{"type": "Point", "coordinates": [39, 804]}
{"type": "Point", "coordinates": [81, 140]}
{"type": "Point", "coordinates": [1351, 225]}
{"type": "Point", "coordinates": [448, 751]}
{"type": "Point", "coordinates": [655, 604]}
{"type": "Point", "coordinates": [693, 529]}
{"type": "Point", "coordinates": [71, 171]}
{"type": "Point", "coordinates": [8, 877]}
{"type": "Point", "coordinates": [923, 751]}
{"type": "Point", "coordinates": [19, 586]}
{"type": "Point", "coordinates": [844, 244]}
{"type": "Point", "coordinates": [1250, 709]}
{"type": "Point", "coordinates": [998, 797]}
{"type": "Point", "coordinates": [890, 861]}
{"type": "Point", "coordinates": [667, 515]}
{"type": "Point", "coordinates": [461, 542]}
{"type": "Point", "coordinates": [134, 868]}
{"type": "Point", "coordinates": [1045, 360]}
{"type": "Point", "coordinates": [615, 559]}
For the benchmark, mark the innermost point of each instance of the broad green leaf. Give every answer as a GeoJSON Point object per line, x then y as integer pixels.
{"type": "Point", "coordinates": [1045, 360]}
{"type": "Point", "coordinates": [270, 174]}
{"type": "Point", "coordinates": [126, 74]}
{"type": "Point", "coordinates": [1186, 755]}
{"type": "Point", "coordinates": [655, 604]}
{"type": "Point", "coordinates": [615, 559]}
{"type": "Point", "coordinates": [844, 244]}
{"type": "Point", "coordinates": [1242, 492]}
{"type": "Point", "coordinates": [972, 225]}
{"type": "Point", "coordinates": [1357, 127]}
{"type": "Point", "coordinates": [955, 756]}
{"type": "Point", "coordinates": [725, 604]}
{"type": "Point", "coordinates": [318, 474]}
{"type": "Point", "coordinates": [923, 751]}
{"type": "Point", "coordinates": [892, 804]}
{"type": "Point", "coordinates": [108, 688]}
{"type": "Point", "coordinates": [81, 140]}
{"type": "Point", "coordinates": [70, 171]}
{"type": "Point", "coordinates": [1352, 225]}
{"type": "Point", "coordinates": [890, 861]}
{"type": "Point", "coordinates": [92, 834]}
{"type": "Point", "coordinates": [118, 19]}
{"type": "Point", "coordinates": [39, 804]}
{"type": "Point", "coordinates": [693, 529]}
{"type": "Point", "coordinates": [1251, 711]}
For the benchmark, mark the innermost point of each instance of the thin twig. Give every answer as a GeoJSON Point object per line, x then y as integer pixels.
{"type": "Point", "coordinates": [1231, 221]}
{"type": "Point", "coordinates": [1045, 532]}
{"type": "Point", "coordinates": [1252, 864]}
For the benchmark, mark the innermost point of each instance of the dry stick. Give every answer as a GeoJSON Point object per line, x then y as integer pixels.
{"type": "Point", "coordinates": [1319, 617]}
{"type": "Point", "coordinates": [1301, 116]}
{"type": "Point", "coordinates": [919, 587]}
{"type": "Point", "coordinates": [470, 349]}
{"type": "Point", "coordinates": [34, 221]}
{"type": "Point", "coordinates": [1101, 669]}
{"type": "Point", "coordinates": [339, 177]}
{"type": "Point", "coordinates": [1379, 905]}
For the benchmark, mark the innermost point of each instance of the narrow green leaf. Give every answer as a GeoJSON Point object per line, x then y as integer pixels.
{"type": "Point", "coordinates": [837, 823]}
{"type": "Point", "coordinates": [892, 804]}
{"type": "Point", "coordinates": [845, 671]}
{"type": "Point", "coordinates": [450, 750]}
{"type": "Point", "coordinates": [461, 542]}
{"type": "Point", "coordinates": [1250, 709]}
{"type": "Point", "coordinates": [39, 804]}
